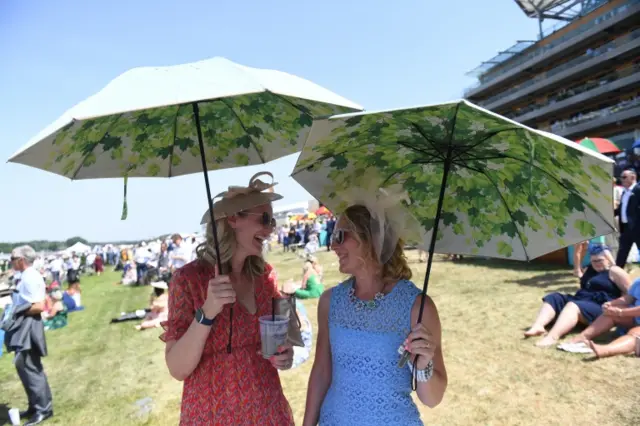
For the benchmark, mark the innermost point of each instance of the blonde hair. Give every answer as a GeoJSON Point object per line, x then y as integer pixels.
{"type": "Point", "coordinates": [358, 219]}
{"type": "Point", "coordinates": [254, 266]}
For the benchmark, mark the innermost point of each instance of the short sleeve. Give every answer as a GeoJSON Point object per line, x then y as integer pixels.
{"type": "Point", "coordinates": [634, 291]}
{"type": "Point", "coordinates": [181, 309]}
{"type": "Point", "coordinates": [33, 288]}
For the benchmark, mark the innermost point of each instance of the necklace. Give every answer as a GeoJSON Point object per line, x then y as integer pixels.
{"type": "Point", "coordinates": [364, 304]}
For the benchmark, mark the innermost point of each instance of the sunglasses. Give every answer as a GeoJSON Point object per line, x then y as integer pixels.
{"type": "Point", "coordinates": [266, 218]}
{"type": "Point", "coordinates": [338, 236]}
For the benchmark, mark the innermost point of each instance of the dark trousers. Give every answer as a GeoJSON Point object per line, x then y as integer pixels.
{"type": "Point", "coordinates": [34, 380]}
{"type": "Point", "coordinates": [141, 271]}
{"type": "Point", "coordinates": [627, 238]}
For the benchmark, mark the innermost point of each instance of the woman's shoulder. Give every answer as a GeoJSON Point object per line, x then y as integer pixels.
{"type": "Point", "coordinates": [408, 288]}
{"type": "Point", "coordinates": [195, 270]}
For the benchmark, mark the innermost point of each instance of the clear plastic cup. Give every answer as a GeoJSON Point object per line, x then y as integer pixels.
{"type": "Point", "coordinates": [638, 346]}
{"type": "Point", "coordinates": [273, 334]}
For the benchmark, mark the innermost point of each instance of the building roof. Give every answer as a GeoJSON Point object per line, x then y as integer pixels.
{"type": "Point", "coordinates": [534, 8]}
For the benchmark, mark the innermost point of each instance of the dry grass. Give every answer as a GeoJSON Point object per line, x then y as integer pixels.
{"type": "Point", "coordinates": [98, 371]}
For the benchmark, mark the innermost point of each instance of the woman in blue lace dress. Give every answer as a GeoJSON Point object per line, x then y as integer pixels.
{"type": "Point", "coordinates": [363, 323]}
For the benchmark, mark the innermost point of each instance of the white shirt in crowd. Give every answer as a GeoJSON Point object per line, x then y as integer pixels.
{"type": "Point", "coordinates": [141, 255]}
{"type": "Point", "coordinates": [30, 289]}
{"type": "Point", "coordinates": [91, 258]}
{"type": "Point", "coordinates": [181, 255]}
{"type": "Point", "coordinates": [56, 265]}
{"type": "Point", "coordinates": [623, 203]}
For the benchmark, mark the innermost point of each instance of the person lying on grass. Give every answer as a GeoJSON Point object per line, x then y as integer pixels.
{"type": "Point", "coordinates": [158, 307]}
{"type": "Point", "coordinates": [623, 313]}
{"type": "Point", "coordinates": [602, 282]}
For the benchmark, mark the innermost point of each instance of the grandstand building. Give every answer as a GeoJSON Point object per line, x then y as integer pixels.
{"type": "Point", "coordinates": [580, 78]}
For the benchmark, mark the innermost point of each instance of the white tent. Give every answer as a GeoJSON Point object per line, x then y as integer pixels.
{"type": "Point", "coordinates": [78, 248]}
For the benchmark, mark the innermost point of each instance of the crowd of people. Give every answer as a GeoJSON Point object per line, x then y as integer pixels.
{"type": "Point", "coordinates": [208, 309]}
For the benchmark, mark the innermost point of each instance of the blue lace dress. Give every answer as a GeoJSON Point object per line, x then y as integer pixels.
{"type": "Point", "coordinates": [367, 387]}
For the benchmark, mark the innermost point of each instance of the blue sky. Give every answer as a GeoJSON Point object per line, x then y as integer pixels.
{"type": "Point", "coordinates": [380, 54]}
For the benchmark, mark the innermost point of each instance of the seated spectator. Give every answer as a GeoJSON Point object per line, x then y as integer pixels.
{"type": "Point", "coordinates": [301, 354]}
{"type": "Point", "coordinates": [313, 245]}
{"type": "Point", "coordinates": [602, 282]}
{"type": "Point", "coordinates": [311, 285]}
{"type": "Point", "coordinates": [158, 307]}
{"type": "Point", "coordinates": [54, 315]}
{"type": "Point", "coordinates": [624, 313]}
{"type": "Point", "coordinates": [129, 274]}
{"type": "Point", "coordinates": [72, 296]}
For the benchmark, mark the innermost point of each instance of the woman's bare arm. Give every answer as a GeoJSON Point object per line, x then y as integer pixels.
{"type": "Point", "coordinates": [621, 278]}
{"type": "Point", "coordinates": [320, 378]}
{"type": "Point", "coordinates": [431, 392]}
{"type": "Point", "coordinates": [183, 355]}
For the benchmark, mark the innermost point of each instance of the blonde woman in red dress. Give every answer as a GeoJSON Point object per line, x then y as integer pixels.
{"type": "Point", "coordinates": [226, 379]}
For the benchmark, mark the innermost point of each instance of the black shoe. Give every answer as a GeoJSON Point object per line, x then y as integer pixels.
{"type": "Point", "coordinates": [38, 418]}
{"type": "Point", "coordinates": [26, 414]}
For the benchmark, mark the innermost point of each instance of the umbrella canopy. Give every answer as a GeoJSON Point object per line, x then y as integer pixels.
{"type": "Point", "coordinates": [476, 182]}
{"type": "Point", "coordinates": [142, 124]}
{"type": "Point", "coordinates": [603, 146]}
{"type": "Point", "coordinates": [501, 189]}
{"type": "Point", "coordinates": [176, 120]}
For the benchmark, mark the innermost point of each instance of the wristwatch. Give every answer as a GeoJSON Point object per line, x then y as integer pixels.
{"type": "Point", "coordinates": [201, 319]}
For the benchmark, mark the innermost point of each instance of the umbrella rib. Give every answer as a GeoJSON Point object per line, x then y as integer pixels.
{"type": "Point", "coordinates": [406, 145]}
{"type": "Point", "coordinates": [413, 163]}
{"type": "Point", "coordinates": [483, 140]}
{"type": "Point", "coordinates": [224, 101]}
{"type": "Point", "coordinates": [504, 202]}
{"type": "Point", "coordinates": [84, 158]}
{"type": "Point", "coordinates": [555, 179]}
{"type": "Point", "coordinates": [173, 145]}
{"type": "Point", "coordinates": [432, 143]}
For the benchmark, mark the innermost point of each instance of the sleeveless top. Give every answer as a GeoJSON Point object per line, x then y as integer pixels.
{"type": "Point", "coordinates": [367, 387]}
{"type": "Point", "coordinates": [597, 287]}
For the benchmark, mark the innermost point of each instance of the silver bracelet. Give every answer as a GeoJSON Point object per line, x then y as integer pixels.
{"type": "Point", "coordinates": [422, 376]}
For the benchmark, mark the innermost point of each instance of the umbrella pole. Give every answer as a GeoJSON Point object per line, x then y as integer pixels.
{"type": "Point", "coordinates": [205, 172]}
{"type": "Point", "coordinates": [432, 246]}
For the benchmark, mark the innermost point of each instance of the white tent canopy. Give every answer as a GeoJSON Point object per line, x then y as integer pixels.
{"type": "Point", "coordinates": [78, 248]}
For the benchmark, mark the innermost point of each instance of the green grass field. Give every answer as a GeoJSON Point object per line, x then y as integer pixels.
{"type": "Point", "coordinates": [98, 371]}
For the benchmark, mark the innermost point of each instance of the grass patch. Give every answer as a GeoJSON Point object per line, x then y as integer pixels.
{"type": "Point", "coordinates": [98, 371]}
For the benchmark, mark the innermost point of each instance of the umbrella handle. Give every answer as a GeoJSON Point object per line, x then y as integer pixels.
{"type": "Point", "coordinates": [205, 172]}
{"type": "Point", "coordinates": [448, 161]}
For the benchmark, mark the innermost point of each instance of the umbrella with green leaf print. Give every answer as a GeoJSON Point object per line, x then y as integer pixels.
{"type": "Point", "coordinates": [176, 120]}
{"type": "Point", "coordinates": [477, 183]}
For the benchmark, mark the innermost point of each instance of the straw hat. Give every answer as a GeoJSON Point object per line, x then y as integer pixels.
{"type": "Point", "coordinates": [240, 198]}
{"type": "Point", "coordinates": [160, 284]}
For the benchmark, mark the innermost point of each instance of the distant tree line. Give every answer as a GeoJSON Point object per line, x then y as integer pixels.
{"type": "Point", "coordinates": [44, 245]}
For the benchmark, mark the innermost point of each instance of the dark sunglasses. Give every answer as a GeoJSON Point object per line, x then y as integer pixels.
{"type": "Point", "coordinates": [266, 218]}
{"type": "Point", "coordinates": [338, 236]}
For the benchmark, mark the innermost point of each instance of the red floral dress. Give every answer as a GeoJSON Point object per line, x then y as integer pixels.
{"type": "Point", "coordinates": [237, 388]}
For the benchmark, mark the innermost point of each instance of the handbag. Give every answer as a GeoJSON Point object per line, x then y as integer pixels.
{"type": "Point", "coordinates": [286, 306]}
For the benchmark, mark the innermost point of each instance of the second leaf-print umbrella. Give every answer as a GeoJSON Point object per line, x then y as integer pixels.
{"type": "Point", "coordinates": [488, 185]}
